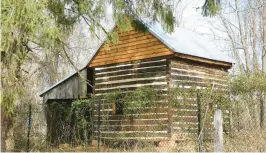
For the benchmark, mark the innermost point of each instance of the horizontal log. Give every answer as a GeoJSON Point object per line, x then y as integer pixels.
{"type": "Point", "coordinates": [187, 106]}
{"type": "Point", "coordinates": [134, 134]}
{"type": "Point", "coordinates": [133, 122]}
{"type": "Point", "coordinates": [132, 82]}
{"type": "Point", "coordinates": [183, 129]}
{"type": "Point", "coordinates": [208, 70]}
{"type": "Point", "coordinates": [185, 125]}
{"type": "Point", "coordinates": [133, 71]}
{"type": "Point", "coordinates": [201, 62]}
{"type": "Point", "coordinates": [140, 64]}
{"type": "Point", "coordinates": [130, 88]}
{"type": "Point", "coordinates": [148, 60]}
{"type": "Point", "coordinates": [185, 119]}
{"type": "Point", "coordinates": [185, 112]}
{"type": "Point", "coordinates": [197, 79]}
{"type": "Point", "coordinates": [128, 117]}
{"type": "Point", "coordinates": [195, 83]}
{"type": "Point", "coordinates": [130, 76]}
{"type": "Point", "coordinates": [134, 128]}
{"type": "Point", "coordinates": [144, 110]}
{"type": "Point", "coordinates": [131, 58]}
{"type": "Point", "coordinates": [116, 139]}
{"type": "Point", "coordinates": [205, 61]}
{"type": "Point", "coordinates": [185, 72]}
{"type": "Point", "coordinates": [156, 105]}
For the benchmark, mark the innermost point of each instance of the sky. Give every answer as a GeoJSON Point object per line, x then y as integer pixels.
{"type": "Point", "coordinates": [188, 17]}
{"type": "Point", "coordinates": [187, 14]}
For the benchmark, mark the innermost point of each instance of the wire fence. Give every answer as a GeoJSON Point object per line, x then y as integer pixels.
{"type": "Point", "coordinates": [107, 124]}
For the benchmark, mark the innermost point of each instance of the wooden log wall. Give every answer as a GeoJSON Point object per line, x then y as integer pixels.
{"type": "Point", "coordinates": [152, 122]}
{"type": "Point", "coordinates": [185, 74]}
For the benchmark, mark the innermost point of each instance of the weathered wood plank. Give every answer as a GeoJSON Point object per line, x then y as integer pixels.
{"type": "Point", "coordinates": [135, 122]}
{"type": "Point", "coordinates": [134, 128]}
{"type": "Point", "coordinates": [134, 134]}
{"type": "Point", "coordinates": [130, 54]}
{"type": "Point", "coordinates": [130, 76]}
{"type": "Point", "coordinates": [131, 82]}
{"type": "Point", "coordinates": [82, 84]}
{"type": "Point", "coordinates": [196, 67]}
{"type": "Point", "coordinates": [132, 58]}
{"type": "Point", "coordinates": [131, 51]}
{"type": "Point", "coordinates": [134, 71]}
{"type": "Point", "coordinates": [132, 62]}
{"type": "Point", "coordinates": [132, 66]}
{"type": "Point", "coordinates": [218, 134]}
{"type": "Point", "coordinates": [185, 72]}
{"type": "Point", "coordinates": [129, 88]}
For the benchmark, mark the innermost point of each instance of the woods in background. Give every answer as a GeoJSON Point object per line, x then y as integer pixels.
{"type": "Point", "coordinates": [41, 42]}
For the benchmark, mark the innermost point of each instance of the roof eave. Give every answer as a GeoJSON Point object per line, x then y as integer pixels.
{"type": "Point", "coordinates": [205, 60]}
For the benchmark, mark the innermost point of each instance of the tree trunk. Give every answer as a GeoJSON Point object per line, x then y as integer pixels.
{"type": "Point", "coordinates": [243, 39]}
{"type": "Point", "coordinates": [7, 143]}
{"type": "Point", "coordinates": [263, 99]}
{"type": "Point", "coordinates": [264, 40]}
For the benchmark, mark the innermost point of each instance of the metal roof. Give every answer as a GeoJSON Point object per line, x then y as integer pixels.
{"type": "Point", "coordinates": [182, 41]}
{"type": "Point", "coordinates": [187, 42]}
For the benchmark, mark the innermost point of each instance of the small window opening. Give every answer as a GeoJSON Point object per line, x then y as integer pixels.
{"type": "Point", "coordinates": [119, 104]}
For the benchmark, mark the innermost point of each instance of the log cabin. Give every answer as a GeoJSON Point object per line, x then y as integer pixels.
{"type": "Point", "coordinates": [153, 59]}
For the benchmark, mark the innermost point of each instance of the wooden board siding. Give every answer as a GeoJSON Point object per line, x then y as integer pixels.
{"type": "Point", "coordinates": [72, 88]}
{"type": "Point", "coordinates": [187, 73]}
{"type": "Point", "coordinates": [152, 122]}
{"type": "Point", "coordinates": [132, 46]}
{"type": "Point", "coordinates": [131, 75]}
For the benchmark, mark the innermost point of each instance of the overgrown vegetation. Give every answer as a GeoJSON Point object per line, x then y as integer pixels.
{"type": "Point", "coordinates": [74, 123]}
{"type": "Point", "coordinates": [36, 32]}
{"type": "Point", "coordinates": [128, 105]}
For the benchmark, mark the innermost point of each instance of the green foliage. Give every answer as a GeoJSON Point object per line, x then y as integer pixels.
{"type": "Point", "coordinates": [142, 97]}
{"type": "Point", "coordinates": [68, 12]}
{"type": "Point", "coordinates": [244, 84]}
{"type": "Point", "coordinates": [134, 102]}
{"type": "Point", "coordinates": [139, 26]}
{"type": "Point", "coordinates": [211, 7]}
{"type": "Point", "coordinates": [83, 126]}
{"type": "Point", "coordinates": [8, 102]}
{"type": "Point", "coordinates": [178, 95]}
{"type": "Point", "coordinates": [47, 23]}
{"type": "Point", "coordinates": [23, 23]}
{"type": "Point", "coordinates": [210, 95]}
{"type": "Point", "coordinates": [71, 122]}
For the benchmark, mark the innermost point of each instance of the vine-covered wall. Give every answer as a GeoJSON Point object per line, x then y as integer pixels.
{"type": "Point", "coordinates": [188, 76]}
{"type": "Point", "coordinates": [146, 118]}
{"type": "Point", "coordinates": [169, 112]}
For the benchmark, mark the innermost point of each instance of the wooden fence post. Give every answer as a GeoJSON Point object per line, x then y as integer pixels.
{"type": "Point", "coordinates": [29, 128]}
{"type": "Point", "coordinates": [99, 120]}
{"type": "Point", "coordinates": [218, 131]}
{"type": "Point", "coordinates": [200, 136]}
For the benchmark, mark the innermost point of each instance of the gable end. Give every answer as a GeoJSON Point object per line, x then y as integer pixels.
{"type": "Point", "coordinates": [132, 46]}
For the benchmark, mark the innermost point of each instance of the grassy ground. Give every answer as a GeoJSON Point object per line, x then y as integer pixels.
{"type": "Point", "coordinates": [243, 141]}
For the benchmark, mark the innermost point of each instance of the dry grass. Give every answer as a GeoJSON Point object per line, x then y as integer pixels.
{"type": "Point", "coordinates": [243, 141]}
{"type": "Point", "coordinates": [246, 141]}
